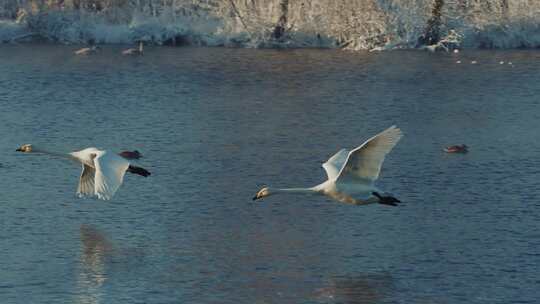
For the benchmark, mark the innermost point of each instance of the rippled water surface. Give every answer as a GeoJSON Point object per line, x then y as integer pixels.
{"type": "Point", "coordinates": [214, 125]}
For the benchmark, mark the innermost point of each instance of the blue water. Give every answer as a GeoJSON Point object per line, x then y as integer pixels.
{"type": "Point", "coordinates": [215, 125]}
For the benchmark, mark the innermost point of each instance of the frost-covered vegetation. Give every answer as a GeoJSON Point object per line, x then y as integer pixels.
{"type": "Point", "coordinates": [350, 24]}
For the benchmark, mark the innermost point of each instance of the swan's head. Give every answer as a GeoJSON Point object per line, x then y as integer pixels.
{"type": "Point", "coordinates": [25, 148]}
{"type": "Point", "coordinates": [264, 192]}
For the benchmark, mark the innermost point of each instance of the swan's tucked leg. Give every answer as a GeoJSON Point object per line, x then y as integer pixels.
{"type": "Point", "coordinates": [138, 170]}
{"type": "Point", "coordinates": [386, 200]}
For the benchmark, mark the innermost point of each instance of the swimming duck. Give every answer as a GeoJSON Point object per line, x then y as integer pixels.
{"type": "Point", "coordinates": [457, 149]}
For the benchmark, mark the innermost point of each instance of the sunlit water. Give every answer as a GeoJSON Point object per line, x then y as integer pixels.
{"type": "Point", "coordinates": [214, 125]}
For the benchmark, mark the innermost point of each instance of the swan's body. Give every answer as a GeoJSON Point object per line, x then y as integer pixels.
{"type": "Point", "coordinates": [134, 51]}
{"type": "Point", "coordinates": [87, 50]}
{"type": "Point", "coordinates": [352, 174]}
{"type": "Point", "coordinates": [102, 172]}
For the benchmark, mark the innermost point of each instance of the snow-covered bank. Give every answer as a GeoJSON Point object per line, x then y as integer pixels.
{"type": "Point", "coordinates": [349, 24]}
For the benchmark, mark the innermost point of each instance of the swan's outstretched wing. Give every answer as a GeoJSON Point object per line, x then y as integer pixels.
{"type": "Point", "coordinates": [365, 161]}
{"type": "Point", "coordinates": [335, 163]}
{"type": "Point", "coordinates": [86, 182]}
{"type": "Point", "coordinates": [110, 170]}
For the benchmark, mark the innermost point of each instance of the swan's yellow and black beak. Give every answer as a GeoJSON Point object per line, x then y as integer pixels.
{"type": "Point", "coordinates": [25, 148]}
{"type": "Point", "coordinates": [258, 196]}
{"type": "Point", "coordinates": [264, 192]}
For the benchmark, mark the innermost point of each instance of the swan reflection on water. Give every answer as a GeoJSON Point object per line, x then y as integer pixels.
{"type": "Point", "coordinates": [360, 289]}
{"type": "Point", "coordinates": [92, 273]}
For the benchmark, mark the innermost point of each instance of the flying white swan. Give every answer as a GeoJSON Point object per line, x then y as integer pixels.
{"type": "Point", "coordinates": [102, 171]}
{"type": "Point", "coordinates": [134, 51]}
{"type": "Point", "coordinates": [352, 174]}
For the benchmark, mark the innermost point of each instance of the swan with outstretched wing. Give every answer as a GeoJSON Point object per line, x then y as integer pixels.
{"type": "Point", "coordinates": [102, 171]}
{"type": "Point", "coordinates": [352, 174]}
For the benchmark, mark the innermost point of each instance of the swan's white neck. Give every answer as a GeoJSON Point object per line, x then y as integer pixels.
{"type": "Point", "coordinates": [296, 190]}
{"type": "Point", "coordinates": [52, 153]}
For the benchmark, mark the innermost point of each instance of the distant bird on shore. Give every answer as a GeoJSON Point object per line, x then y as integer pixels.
{"type": "Point", "coordinates": [88, 50]}
{"type": "Point", "coordinates": [457, 149]}
{"type": "Point", "coordinates": [130, 154]}
{"type": "Point", "coordinates": [102, 172]}
{"type": "Point", "coordinates": [352, 174]}
{"type": "Point", "coordinates": [134, 51]}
